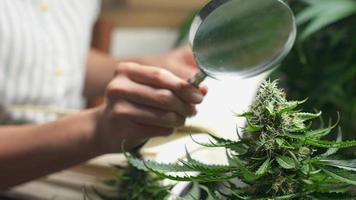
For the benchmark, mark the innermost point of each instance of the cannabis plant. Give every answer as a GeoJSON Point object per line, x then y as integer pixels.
{"type": "Point", "coordinates": [277, 156]}
{"type": "Point", "coordinates": [322, 64]}
{"type": "Point", "coordinates": [131, 183]}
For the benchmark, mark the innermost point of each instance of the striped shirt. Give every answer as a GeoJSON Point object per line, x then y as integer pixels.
{"type": "Point", "coordinates": [43, 49]}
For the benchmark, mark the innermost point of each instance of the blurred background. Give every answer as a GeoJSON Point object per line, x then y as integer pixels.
{"type": "Point", "coordinates": [136, 27]}
{"type": "Point", "coordinates": [321, 66]}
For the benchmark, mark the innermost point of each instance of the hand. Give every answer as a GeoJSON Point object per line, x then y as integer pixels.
{"type": "Point", "coordinates": [180, 61]}
{"type": "Point", "coordinates": [143, 102]}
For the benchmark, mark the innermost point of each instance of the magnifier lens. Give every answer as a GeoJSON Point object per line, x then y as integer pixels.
{"type": "Point", "coordinates": [243, 38]}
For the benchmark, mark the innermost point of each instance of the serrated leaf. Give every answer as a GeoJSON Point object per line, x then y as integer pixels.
{"type": "Point", "coordinates": [285, 162]}
{"type": "Point", "coordinates": [318, 133]}
{"type": "Point", "coordinates": [333, 187]}
{"type": "Point", "coordinates": [340, 174]}
{"type": "Point", "coordinates": [245, 114]}
{"type": "Point", "coordinates": [198, 178]}
{"type": "Point", "coordinates": [283, 143]}
{"type": "Point", "coordinates": [323, 143]}
{"type": "Point", "coordinates": [198, 166]}
{"type": "Point", "coordinates": [332, 151]}
{"type": "Point", "coordinates": [308, 116]}
{"type": "Point", "coordinates": [330, 144]}
{"type": "Point", "coordinates": [297, 129]}
{"type": "Point", "coordinates": [343, 164]}
{"type": "Point", "coordinates": [289, 106]}
{"type": "Point", "coordinates": [264, 167]}
{"type": "Point", "coordinates": [136, 162]}
{"type": "Point", "coordinates": [323, 14]}
{"type": "Point", "coordinates": [172, 167]}
{"type": "Point", "coordinates": [221, 143]}
{"type": "Point", "coordinates": [252, 128]}
{"type": "Point", "coordinates": [243, 172]}
{"type": "Point", "coordinates": [162, 167]}
{"type": "Point", "coordinates": [322, 132]}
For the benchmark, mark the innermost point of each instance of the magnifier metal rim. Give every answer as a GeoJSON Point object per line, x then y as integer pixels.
{"type": "Point", "coordinates": [258, 69]}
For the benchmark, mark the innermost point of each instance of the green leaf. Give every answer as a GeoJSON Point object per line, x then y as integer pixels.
{"type": "Point", "coordinates": [323, 143]}
{"type": "Point", "coordinates": [322, 132]}
{"type": "Point", "coordinates": [195, 165]}
{"type": "Point", "coordinates": [299, 129]}
{"type": "Point", "coordinates": [283, 143]}
{"type": "Point", "coordinates": [202, 178]}
{"type": "Point", "coordinates": [289, 106]}
{"type": "Point", "coordinates": [136, 162]}
{"type": "Point", "coordinates": [330, 144]}
{"type": "Point", "coordinates": [318, 133]}
{"type": "Point", "coordinates": [340, 174]}
{"type": "Point", "coordinates": [308, 116]}
{"type": "Point", "coordinates": [243, 172]}
{"type": "Point", "coordinates": [333, 187]}
{"type": "Point", "coordinates": [161, 167]}
{"type": "Point", "coordinates": [252, 128]}
{"type": "Point", "coordinates": [285, 162]}
{"type": "Point", "coordinates": [332, 151]}
{"type": "Point", "coordinates": [343, 164]}
{"type": "Point", "coordinates": [264, 167]}
{"type": "Point", "coordinates": [323, 14]}
{"type": "Point", "coordinates": [220, 142]}
{"type": "Point", "coordinates": [245, 114]}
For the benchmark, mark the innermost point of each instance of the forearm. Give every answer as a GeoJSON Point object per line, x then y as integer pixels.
{"type": "Point", "coordinates": [99, 72]}
{"type": "Point", "coordinates": [32, 151]}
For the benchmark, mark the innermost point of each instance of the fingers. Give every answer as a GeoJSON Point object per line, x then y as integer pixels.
{"type": "Point", "coordinates": [145, 115]}
{"type": "Point", "coordinates": [161, 78]}
{"type": "Point", "coordinates": [144, 102]}
{"type": "Point", "coordinates": [163, 99]}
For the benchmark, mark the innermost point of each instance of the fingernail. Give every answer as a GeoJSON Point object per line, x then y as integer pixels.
{"type": "Point", "coordinates": [204, 90]}
{"type": "Point", "coordinates": [197, 97]}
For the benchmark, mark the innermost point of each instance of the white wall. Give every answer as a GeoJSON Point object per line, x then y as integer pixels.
{"type": "Point", "coordinates": [141, 41]}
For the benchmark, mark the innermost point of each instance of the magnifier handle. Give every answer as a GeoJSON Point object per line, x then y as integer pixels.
{"type": "Point", "coordinates": [198, 78]}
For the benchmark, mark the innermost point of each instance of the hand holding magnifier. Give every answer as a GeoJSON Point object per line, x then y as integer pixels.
{"type": "Point", "coordinates": [241, 38]}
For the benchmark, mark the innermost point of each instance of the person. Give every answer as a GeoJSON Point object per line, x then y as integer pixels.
{"type": "Point", "coordinates": [45, 61]}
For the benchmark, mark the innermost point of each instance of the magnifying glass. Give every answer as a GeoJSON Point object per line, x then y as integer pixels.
{"type": "Point", "coordinates": [241, 38]}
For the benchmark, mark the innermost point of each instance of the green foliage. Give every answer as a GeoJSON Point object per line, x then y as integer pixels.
{"type": "Point", "coordinates": [283, 157]}
{"type": "Point", "coordinates": [133, 182]}
{"type": "Point", "coordinates": [322, 64]}
{"type": "Point", "coordinates": [321, 13]}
